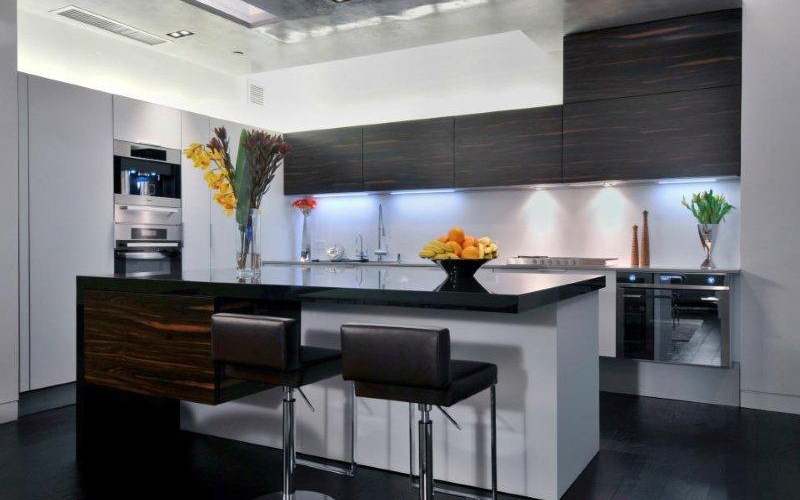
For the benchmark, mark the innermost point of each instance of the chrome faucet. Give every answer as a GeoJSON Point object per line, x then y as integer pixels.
{"type": "Point", "coordinates": [360, 253]}
{"type": "Point", "coordinates": [380, 251]}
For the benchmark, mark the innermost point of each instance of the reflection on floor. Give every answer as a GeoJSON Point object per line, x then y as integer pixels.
{"type": "Point", "coordinates": [651, 449]}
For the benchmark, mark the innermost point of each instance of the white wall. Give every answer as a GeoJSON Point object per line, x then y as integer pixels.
{"type": "Point", "coordinates": [67, 53]}
{"type": "Point", "coordinates": [594, 221]}
{"type": "Point", "coordinates": [9, 207]}
{"type": "Point", "coordinates": [770, 184]}
{"type": "Point", "coordinates": [488, 73]}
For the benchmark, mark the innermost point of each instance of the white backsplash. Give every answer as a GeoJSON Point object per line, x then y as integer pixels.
{"type": "Point", "coordinates": [566, 221]}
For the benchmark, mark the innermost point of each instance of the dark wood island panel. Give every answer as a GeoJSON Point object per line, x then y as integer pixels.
{"type": "Point", "coordinates": [156, 345]}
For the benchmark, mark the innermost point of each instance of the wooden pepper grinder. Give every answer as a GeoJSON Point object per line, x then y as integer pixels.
{"type": "Point", "coordinates": [645, 241]}
{"type": "Point", "coordinates": [635, 247]}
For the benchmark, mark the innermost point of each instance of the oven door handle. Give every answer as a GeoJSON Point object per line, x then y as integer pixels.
{"type": "Point", "coordinates": [143, 208]}
{"type": "Point", "coordinates": [143, 255]}
{"type": "Point", "coordinates": [632, 296]}
{"type": "Point", "coordinates": [673, 287]}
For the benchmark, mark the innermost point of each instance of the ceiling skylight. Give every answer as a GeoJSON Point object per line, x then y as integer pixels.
{"type": "Point", "coordinates": [238, 11]}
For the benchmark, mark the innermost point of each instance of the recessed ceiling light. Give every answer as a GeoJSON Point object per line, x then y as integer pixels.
{"type": "Point", "coordinates": [339, 1]}
{"type": "Point", "coordinates": [180, 34]}
{"type": "Point", "coordinates": [238, 52]}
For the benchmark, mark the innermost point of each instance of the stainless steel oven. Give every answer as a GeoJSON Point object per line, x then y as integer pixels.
{"type": "Point", "coordinates": [148, 230]}
{"type": "Point", "coordinates": [681, 318]}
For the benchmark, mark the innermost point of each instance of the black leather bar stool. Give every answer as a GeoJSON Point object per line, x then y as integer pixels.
{"type": "Point", "coordinates": [413, 364]}
{"type": "Point", "coordinates": [267, 350]}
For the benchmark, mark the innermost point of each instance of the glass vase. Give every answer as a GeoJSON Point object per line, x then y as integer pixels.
{"type": "Point", "coordinates": [248, 246]}
{"type": "Point", "coordinates": [305, 240]}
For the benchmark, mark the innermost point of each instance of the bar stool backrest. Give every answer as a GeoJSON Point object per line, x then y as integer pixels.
{"type": "Point", "coordinates": [263, 341]}
{"type": "Point", "coordinates": [396, 355]}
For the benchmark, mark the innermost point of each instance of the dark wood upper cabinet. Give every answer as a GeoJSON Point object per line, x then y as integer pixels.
{"type": "Point", "coordinates": [508, 148]}
{"type": "Point", "coordinates": [685, 53]}
{"type": "Point", "coordinates": [680, 134]}
{"type": "Point", "coordinates": [409, 155]}
{"type": "Point", "coordinates": [324, 161]}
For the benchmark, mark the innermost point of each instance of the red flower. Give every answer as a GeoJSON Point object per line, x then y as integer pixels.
{"type": "Point", "coordinates": [305, 205]}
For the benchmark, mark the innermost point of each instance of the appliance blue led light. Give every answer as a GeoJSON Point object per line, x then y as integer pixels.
{"type": "Point", "coordinates": [711, 280]}
{"type": "Point", "coordinates": [632, 278]}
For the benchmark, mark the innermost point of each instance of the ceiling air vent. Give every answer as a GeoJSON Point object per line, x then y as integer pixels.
{"type": "Point", "coordinates": [256, 94]}
{"type": "Point", "coordinates": [104, 23]}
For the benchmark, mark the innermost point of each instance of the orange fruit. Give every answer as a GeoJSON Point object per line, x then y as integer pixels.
{"type": "Point", "coordinates": [456, 234]}
{"type": "Point", "coordinates": [470, 253]}
{"type": "Point", "coordinates": [454, 247]}
{"type": "Point", "coordinates": [469, 241]}
{"type": "Point", "coordinates": [442, 238]}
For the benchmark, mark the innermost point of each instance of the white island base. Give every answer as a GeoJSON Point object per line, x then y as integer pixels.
{"type": "Point", "coordinates": [547, 399]}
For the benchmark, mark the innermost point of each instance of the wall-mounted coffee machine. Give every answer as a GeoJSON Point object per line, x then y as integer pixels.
{"type": "Point", "coordinates": [148, 230]}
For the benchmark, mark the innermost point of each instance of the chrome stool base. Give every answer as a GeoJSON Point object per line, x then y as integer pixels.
{"type": "Point", "coordinates": [298, 495]}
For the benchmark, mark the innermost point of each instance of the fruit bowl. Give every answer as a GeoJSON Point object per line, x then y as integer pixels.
{"type": "Point", "coordinates": [460, 269]}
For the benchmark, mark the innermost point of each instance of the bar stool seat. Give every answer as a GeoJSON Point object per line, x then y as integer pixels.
{"type": "Point", "coordinates": [412, 364]}
{"type": "Point", "coordinates": [467, 379]}
{"type": "Point", "coordinates": [267, 349]}
{"type": "Point", "coordinates": [314, 365]}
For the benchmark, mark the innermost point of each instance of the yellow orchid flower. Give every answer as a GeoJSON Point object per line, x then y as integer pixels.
{"type": "Point", "coordinates": [201, 160]}
{"type": "Point", "coordinates": [192, 150]}
{"type": "Point", "coordinates": [218, 157]}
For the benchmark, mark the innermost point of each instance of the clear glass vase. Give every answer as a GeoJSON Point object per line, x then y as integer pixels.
{"type": "Point", "coordinates": [305, 241]}
{"type": "Point", "coordinates": [248, 246]}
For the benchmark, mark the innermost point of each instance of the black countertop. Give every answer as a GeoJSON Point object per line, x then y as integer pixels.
{"type": "Point", "coordinates": [494, 291]}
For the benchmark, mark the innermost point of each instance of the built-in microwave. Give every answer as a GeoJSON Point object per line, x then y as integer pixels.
{"type": "Point", "coordinates": [146, 171]}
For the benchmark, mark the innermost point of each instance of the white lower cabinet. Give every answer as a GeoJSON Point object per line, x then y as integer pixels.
{"type": "Point", "coordinates": [71, 198]}
{"type": "Point", "coordinates": [196, 196]}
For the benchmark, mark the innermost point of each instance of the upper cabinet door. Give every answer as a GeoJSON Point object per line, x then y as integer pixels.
{"type": "Point", "coordinates": [146, 123]}
{"type": "Point", "coordinates": [409, 155]}
{"type": "Point", "coordinates": [682, 134]}
{"type": "Point", "coordinates": [508, 148]}
{"type": "Point", "coordinates": [323, 161]}
{"type": "Point", "coordinates": [685, 53]}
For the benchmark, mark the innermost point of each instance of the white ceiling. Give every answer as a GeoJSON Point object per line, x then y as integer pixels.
{"type": "Point", "coordinates": [316, 31]}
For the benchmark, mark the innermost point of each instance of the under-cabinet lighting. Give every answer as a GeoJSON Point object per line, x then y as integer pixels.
{"type": "Point", "coordinates": [686, 181]}
{"type": "Point", "coordinates": [424, 191]}
{"type": "Point", "coordinates": [339, 195]}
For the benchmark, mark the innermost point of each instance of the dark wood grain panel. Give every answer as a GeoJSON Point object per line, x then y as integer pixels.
{"type": "Point", "coordinates": [508, 148]}
{"type": "Point", "coordinates": [681, 134]}
{"type": "Point", "coordinates": [672, 55]}
{"type": "Point", "coordinates": [409, 155]}
{"type": "Point", "coordinates": [324, 161]}
{"type": "Point", "coordinates": [158, 345]}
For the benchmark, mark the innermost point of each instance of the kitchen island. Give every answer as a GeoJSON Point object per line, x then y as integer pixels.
{"type": "Point", "coordinates": [145, 368]}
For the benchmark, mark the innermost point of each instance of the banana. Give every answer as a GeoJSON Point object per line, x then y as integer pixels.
{"type": "Point", "coordinates": [438, 245]}
{"type": "Point", "coordinates": [452, 256]}
{"type": "Point", "coordinates": [481, 250]}
{"type": "Point", "coordinates": [485, 240]}
{"type": "Point", "coordinates": [427, 254]}
{"type": "Point", "coordinates": [493, 247]}
{"type": "Point", "coordinates": [435, 249]}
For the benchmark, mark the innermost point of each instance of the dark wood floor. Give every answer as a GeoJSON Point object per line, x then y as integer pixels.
{"type": "Point", "coordinates": [650, 449]}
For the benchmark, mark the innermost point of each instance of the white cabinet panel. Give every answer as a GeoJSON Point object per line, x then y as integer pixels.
{"type": "Point", "coordinates": [24, 305]}
{"type": "Point", "coordinates": [196, 196]}
{"type": "Point", "coordinates": [71, 215]}
{"type": "Point", "coordinates": [146, 123]}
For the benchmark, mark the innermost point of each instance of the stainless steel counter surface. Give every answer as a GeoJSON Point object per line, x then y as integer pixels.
{"type": "Point", "coordinates": [505, 267]}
